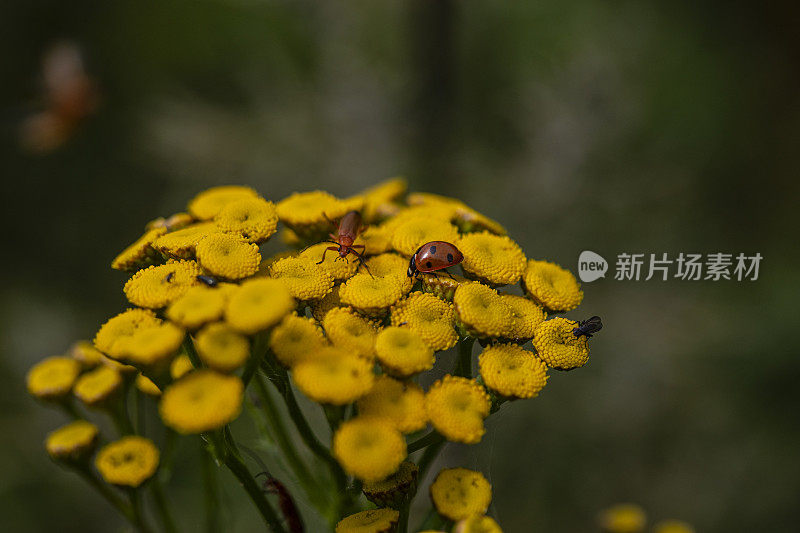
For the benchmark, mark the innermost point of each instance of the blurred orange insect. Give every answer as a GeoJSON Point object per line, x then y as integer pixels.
{"type": "Point", "coordinates": [70, 95]}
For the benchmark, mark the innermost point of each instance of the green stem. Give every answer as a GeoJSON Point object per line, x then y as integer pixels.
{"type": "Point", "coordinates": [238, 469]}
{"type": "Point", "coordinates": [427, 458]}
{"type": "Point", "coordinates": [106, 492]}
{"type": "Point", "coordinates": [464, 361]}
{"type": "Point", "coordinates": [136, 508]}
{"type": "Point", "coordinates": [210, 493]}
{"type": "Point", "coordinates": [305, 431]}
{"type": "Point", "coordinates": [281, 434]}
{"type": "Point", "coordinates": [139, 408]}
{"type": "Point", "coordinates": [254, 361]}
{"type": "Point", "coordinates": [162, 507]}
{"type": "Point", "coordinates": [68, 406]}
{"type": "Point", "coordinates": [423, 442]}
{"type": "Point", "coordinates": [188, 347]}
{"type": "Point", "coordinates": [167, 456]}
{"type": "Point", "coordinates": [405, 510]}
{"type": "Point", "coordinates": [120, 415]}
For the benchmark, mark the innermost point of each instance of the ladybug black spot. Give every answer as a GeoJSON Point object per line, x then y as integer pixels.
{"type": "Point", "coordinates": [449, 258]}
{"type": "Point", "coordinates": [428, 264]}
{"type": "Point", "coordinates": [433, 249]}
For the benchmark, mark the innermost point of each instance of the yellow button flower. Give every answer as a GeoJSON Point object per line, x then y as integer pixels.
{"type": "Point", "coordinates": [228, 255]}
{"type": "Point", "coordinates": [158, 286]}
{"type": "Point", "coordinates": [312, 211]}
{"type": "Point", "coordinates": [295, 339]}
{"type": "Point", "coordinates": [442, 286]}
{"type": "Point", "coordinates": [258, 304]}
{"type": "Point", "coordinates": [303, 277]}
{"type": "Point", "coordinates": [551, 286]}
{"type": "Point", "coordinates": [466, 218]}
{"type": "Point", "coordinates": [210, 202]}
{"type": "Point", "coordinates": [95, 388]}
{"type": "Point", "coordinates": [171, 223]}
{"type": "Point", "coordinates": [402, 404]}
{"type": "Point", "coordinates": [511, 371]}
{"type": "Point", "coordinates": [494, 259]}
{"type": "Point", "coordinates": [86, 353]}
{"type": "Point", "coordinates": [477, 524]}
{"type": "Point", "coordinates": [525, 317]}
{"type": "Point", "coordinates": [389, 265]}
{"type": "Point", "coordinates": [402, 352]}
{"type": "Point", "coordinates": [320, 308]}
{"type": "Point", "coordinates": [456, 407]}
{"type": "Point", "coordinates": [336, 266]}
{"type": "Point", "coordinates": [672, 526]}
{"type": "Point", "coordinates": [349, 330]}
{"type": "Point", "coordinates": [53, 378]}
{"type": "Point", "coordinates": [369, 521]}
{"type": "Point", "coordinates": [459, 493]}
{"type": "Point", "coordinates": [114, 336]}
{"type": "Point", "coordinates": [146, 385]}
{"type": "Point", "coordinates": [202, 400]}
{"type": "Point", "coordinates": [290, 238]}
{"type": "Point", "coordinates": [372, 295]}
{"type": "Point", "coordinates": [368, 448]}
{"type": "Point", "coordinates": [200, 305]}
{"type": "Point", "coordinates": [623, 518]}
{"type": "Point", "coordinates": [72, 442]}
{"type": "Point", "coordinates": [254, 218]}
{"type": "Point", "coordinates": [413, 233]}
{"type": "Point", "coordinates": [333, 376]}
{"type": "Point", "coordinates": [482, 310]}
{"type": "Point", "coordinates": [429, 316]}
{"type": "Point", "coordinates": [180, 366]}
{"type": "Point", "coordinates": [138, 253]}
{"type": "Point", "coordinates": [153, 345]}
{"type": "Point", "coordinates": [376, 240]}
{"type": "Point", "coordinates": [391, 491]}
{"type": "Point", "coordinates": [128, 462]}
{"type": "Point", "coordinates": [558, 346]}
{"type": "Point", "coordinates": [441, 213]}
{"type": "Point", "coordinates": [386, 192]}
{"type": "Point", "coordinates": [221, 347]}
{"type": "Point", "coordinates": [181, 244]}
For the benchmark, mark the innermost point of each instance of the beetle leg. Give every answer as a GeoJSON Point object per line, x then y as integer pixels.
{"type": "Point", "coordinates": [449, 274]}
{"type": "Point", "coordinates": [325, 251]}
{"type": "Point", "coordinates": [361, 260]}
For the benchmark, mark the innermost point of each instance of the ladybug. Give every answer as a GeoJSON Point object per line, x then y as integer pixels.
{"type": "Point", "coordinates": [432, 256]}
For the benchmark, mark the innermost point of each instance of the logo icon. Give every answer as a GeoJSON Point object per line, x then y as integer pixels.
{"type": "Point", "coordinates": [591, 266]}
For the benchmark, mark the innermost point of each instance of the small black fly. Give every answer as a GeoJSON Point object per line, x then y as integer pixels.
{"type": "Point", "coordinates": [169, 277]}
{"type": "Point", "coordinates": [208, 280]}
{"type": "Point", "coordinates": [587, 327]}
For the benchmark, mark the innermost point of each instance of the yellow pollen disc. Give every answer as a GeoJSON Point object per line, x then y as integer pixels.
{"type": "Point", "coordinates": [551, 286]}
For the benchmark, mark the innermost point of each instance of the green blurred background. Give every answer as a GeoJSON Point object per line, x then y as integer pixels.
{"type": "Point", "coordinates": [617, 126]}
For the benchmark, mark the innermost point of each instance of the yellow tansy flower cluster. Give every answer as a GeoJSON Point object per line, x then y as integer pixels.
{"type": "Point", "coordinates": [346, 317]}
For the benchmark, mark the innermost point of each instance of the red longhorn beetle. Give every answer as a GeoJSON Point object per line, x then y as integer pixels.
{"type": "Point", "coordinates": [285, 502]}
{"type": "Point", "coordinates": [432, 256]}
{"type": "Point", "coordinates": [349, 228]}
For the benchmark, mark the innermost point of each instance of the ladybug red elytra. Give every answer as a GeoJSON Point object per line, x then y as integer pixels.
{"type": "Point", "coordinates": [432, 256]}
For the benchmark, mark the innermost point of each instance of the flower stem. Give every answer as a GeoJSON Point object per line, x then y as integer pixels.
{"type": "Point", "coordinates": [210, 492]}
{"type": "Point", "coordinates": [238, 469]}
{"type": "Point", "coordinates": [464, 361]}
{"type": "Point", "coordinates": [106, 492]}
{"type": "Point", "coordinates": [432, 437]}
{"type": "Point", "coordinates": [162, 507]}
{"type": "Point", "coordinates": [284, 441]}
{"type": "Point", "coordinates": [281, 381]}
{"type": "Point", "coordinates": [136, 509]}
{"type": "Point", "coordinates": [188, 347]}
